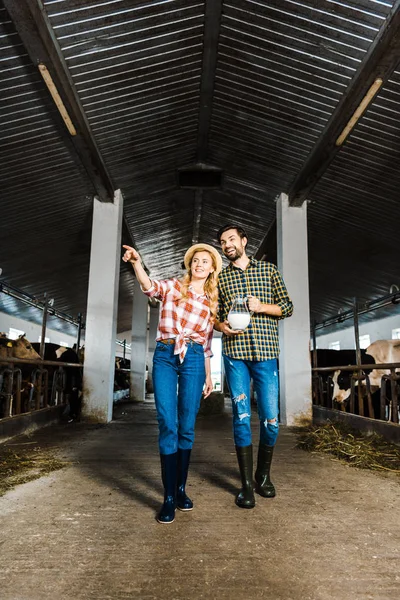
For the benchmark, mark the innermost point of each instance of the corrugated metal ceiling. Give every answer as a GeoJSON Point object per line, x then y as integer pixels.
{"type": "Point", "coordinates": [354, 213]}
{"type": "Point", "coordinates": [46, 198]}
{"type": "Point", "coordinates": [139, 70]}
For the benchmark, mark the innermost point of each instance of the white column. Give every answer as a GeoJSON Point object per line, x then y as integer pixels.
{"type": "Point", "coordinates": [153, 323]}
{"type": "Point", "coordinates": [101, 318]}
{"type": "Point", "coordinates": [294, 332]}
{"type": "Point", "coordinates": [140, 310]}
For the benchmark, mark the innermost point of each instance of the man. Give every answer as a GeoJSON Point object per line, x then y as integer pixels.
{"type": "Point", "coordinates": [252, 354]}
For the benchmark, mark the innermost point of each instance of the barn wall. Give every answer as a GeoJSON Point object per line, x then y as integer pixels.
{"type": "Point", "coordinates": [377, 330]}
{"type": "Point", "coordinates": [33, 331]}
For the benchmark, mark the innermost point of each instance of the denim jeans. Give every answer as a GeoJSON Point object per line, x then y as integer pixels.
{"type": "Point", "coordinates": [177, 391]}
{"type": "Point", "coordinates": [265, 382]}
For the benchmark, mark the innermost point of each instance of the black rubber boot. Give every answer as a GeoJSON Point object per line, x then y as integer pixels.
{"type": "Point", "coordinates": [169, 464]}
{"type": "Point", "coordinates": [245, 498]}
{"type": "Point", "coordinates": [264, 487]}
{"type": "Point", "coordinates": [183, 502]}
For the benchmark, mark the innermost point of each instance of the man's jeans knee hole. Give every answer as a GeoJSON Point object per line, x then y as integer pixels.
{"type": "Point", "coordinates": [241, 407]}
{"type": "Point", "coordinates": [271, 422]}
{"type": "Point", "coordinates": [244, 416]}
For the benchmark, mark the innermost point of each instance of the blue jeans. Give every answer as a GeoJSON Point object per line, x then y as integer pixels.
{"type": "Point", "coordinates": [265, 381]}
{"type": "Point", "coordinates": [177, 391]}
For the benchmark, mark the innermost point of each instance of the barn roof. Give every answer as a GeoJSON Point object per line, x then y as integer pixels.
{"type": "Point", "coordinates": [257, 92]}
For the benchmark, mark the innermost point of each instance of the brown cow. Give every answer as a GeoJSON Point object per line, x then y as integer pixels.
{"type": "Point", "coordinates": [19, 348]}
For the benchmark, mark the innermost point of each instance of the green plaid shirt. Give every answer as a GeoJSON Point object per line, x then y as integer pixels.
{"type": "Point", "coordinates": [261, 279]}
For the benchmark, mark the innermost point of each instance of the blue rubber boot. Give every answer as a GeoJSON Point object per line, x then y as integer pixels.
{"type": "Point", "coordinates": [169, 464]}
{"type": "Point", "coordinates": [183, 501]}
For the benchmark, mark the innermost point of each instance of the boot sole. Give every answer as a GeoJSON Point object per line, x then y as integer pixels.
{"type": "Point", "coordinates": [184, 509]}
{"type": "Point", "coordinates": [245, 505]}
{"type": "Point", "coordinates": [165, 522]}
{"type": "Point", "coordinates": [260, 493]}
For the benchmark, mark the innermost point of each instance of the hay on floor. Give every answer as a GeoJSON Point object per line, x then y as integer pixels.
{"type": "Point", "coordinates": [359, 450]}
{"type": "Point", "coordinates": [23, 465]}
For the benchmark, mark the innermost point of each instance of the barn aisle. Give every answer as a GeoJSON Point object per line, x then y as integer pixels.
{"type": "Point", "coordinates": [89, 530]}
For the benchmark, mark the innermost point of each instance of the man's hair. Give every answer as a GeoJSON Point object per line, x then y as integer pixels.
{"type": "Point", "coordinates": [241, 232]}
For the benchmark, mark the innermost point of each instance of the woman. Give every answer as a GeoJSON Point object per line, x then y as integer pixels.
{"type": "Point", "coordinates": [181, 363]}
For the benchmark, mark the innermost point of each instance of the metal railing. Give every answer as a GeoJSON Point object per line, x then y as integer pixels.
{"type": "Point", "coordinates": [388, 404]}
{"type": "Point", "coordinates": [19, 395]}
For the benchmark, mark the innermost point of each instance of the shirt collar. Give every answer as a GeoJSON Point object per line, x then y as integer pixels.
{"type": "Point", "coordinates": [203, 295]}
{"type": "Point", "coordinates": [252, 263]}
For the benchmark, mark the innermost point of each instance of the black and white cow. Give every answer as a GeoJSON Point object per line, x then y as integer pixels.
{"type": "Point", "coordinates": [330, 358]}
{"type": "Point", "coordinates": [73, 375]}
{"type": "Point", "coordinates": [379, 352]}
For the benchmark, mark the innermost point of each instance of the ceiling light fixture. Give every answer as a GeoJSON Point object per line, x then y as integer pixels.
{"type": "Point", "coordinates": [373, 90]}
{"type": "Point", "coordinates": [56, 97]}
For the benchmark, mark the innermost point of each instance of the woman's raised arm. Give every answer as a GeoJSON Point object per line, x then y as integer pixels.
{"type": "Point", "coordinates": [131, 255]}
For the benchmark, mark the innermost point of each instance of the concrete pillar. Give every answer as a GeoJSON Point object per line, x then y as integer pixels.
{"type": "Point", "coordinates": [140, 317]}
{"type": "Point", "coordinates": [153, 323]}
{"type": "Point", "coordinates": [294, 332]}
{"type": "Point", "coordinates": [101, 318]}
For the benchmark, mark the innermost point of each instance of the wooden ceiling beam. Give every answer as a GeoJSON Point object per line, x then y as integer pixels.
{"type": "Point", "coordinates": [197, 211]}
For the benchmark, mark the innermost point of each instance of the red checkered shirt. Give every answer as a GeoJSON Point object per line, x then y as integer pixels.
{"type": "Point", "coordinates": [182, 321]}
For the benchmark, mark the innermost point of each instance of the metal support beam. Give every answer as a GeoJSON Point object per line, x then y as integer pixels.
{"type": "Point", "coordinates": [213, 11]}
{"type": "Point", "coordinates": [268, 248]}
{"type": "Point", "coordinates": [380, 61]}
{"type": "Point", "coordinates": [37, 35]}
{"type": "Point", "coordinates": [198, 206]}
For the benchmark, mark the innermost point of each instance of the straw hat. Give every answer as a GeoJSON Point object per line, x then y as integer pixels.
{"type": "Point", "coordinates": [198, 248]}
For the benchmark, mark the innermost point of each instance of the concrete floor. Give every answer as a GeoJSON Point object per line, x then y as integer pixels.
{"type": "Point", "coordinates": [89, 530]}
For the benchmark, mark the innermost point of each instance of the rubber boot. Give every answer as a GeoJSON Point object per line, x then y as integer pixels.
{"type": "Point", "coordinates": [169, 464]}
{"type": "Point", "coordinates": [245, 498]}
{"type": "Point", "coordinates": [183, 502]}
{"type": "Point", "coordinates": [264, 486]}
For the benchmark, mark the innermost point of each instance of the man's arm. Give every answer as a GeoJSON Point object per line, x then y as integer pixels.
{"type": "Point", "coordinates": [282, 307]}
{"type": "Point", "coordinates": [281, 295]}
{"type": "Point", "coordinates": [274, 310]}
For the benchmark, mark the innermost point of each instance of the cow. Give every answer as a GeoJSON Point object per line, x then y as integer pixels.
{"type": "Point", "coordinates": [121, 378]}
{"type": "Point", "coordinates": [18, 348]}
{"type": "Point", "coordinates": [73, 376]}
{"type": "Point", "coordinates": [379, 352]}
{"type": "Point", "coordinates": [335, 358]}
{"type": "Point", "coordinates": [330, 358]}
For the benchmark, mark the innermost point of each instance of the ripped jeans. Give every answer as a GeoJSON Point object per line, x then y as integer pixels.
{"type": "Point", "coordinates": [265, 381]}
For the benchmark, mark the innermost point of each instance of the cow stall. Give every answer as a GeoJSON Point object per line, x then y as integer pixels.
{"type": "Point", "coordinates": [38, 377]}
{"type": "Point", "coordinates": [359, 386]}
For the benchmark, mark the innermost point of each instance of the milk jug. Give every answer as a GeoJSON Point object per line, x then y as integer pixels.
{"type": "Point", "coordinates": [239, 316]}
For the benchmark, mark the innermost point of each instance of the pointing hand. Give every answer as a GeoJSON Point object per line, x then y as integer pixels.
{"type": "Point", "coordinates": [131, 255]}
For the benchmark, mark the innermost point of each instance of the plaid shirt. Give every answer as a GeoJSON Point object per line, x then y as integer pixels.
{"type": "Point", "coordinates": [260, 340]}
{"type": "Point", "coordinates": [189, 320]}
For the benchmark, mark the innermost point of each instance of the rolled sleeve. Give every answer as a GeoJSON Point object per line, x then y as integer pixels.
{"type": "Point", "coordinates": [158, 288]}
{"type": "Point", "coordinates": [281, 296]}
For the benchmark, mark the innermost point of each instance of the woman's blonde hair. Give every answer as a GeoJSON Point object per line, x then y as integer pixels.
{"type": "Point", "coordinates": [210, 286]}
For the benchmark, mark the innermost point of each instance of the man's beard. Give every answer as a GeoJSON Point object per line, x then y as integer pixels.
{"type": "Point", "coordinates": [234, 256]}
